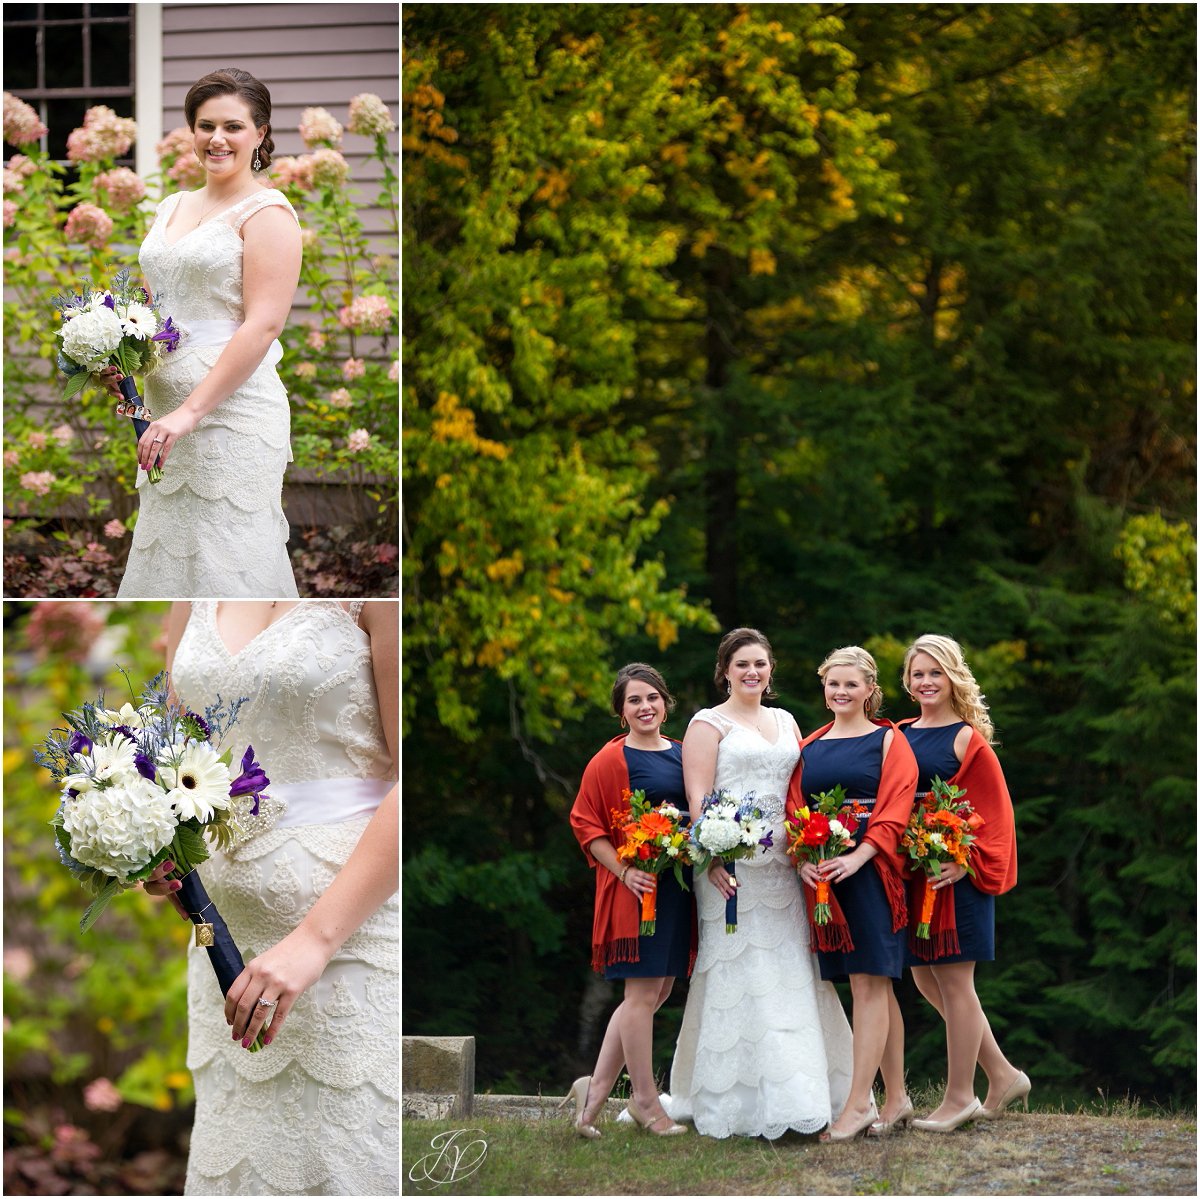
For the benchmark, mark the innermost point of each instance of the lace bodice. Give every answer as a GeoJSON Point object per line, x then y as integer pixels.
{"type": "Point", "coordinates": [312, 711]}
{"type": "Point", "coordinates": [199, 274]}
{"type": "Point", "coordinates": [748, 763]}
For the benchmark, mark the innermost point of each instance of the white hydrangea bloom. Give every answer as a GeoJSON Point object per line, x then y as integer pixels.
{"type": "Point", "coordinates": [89, 339]}
{"type": "Point", "coordinates": [118, 830]}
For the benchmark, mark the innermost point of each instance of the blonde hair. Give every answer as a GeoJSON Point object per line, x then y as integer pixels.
{"type": "Point", "coordinates": [965, 697]}
{"type": "Point", "coordinates": [858, 658]}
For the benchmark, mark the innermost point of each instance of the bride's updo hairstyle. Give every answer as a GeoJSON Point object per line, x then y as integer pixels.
{"type": "Point", "coordinates": [965, 697]}
{"type": "Point", "coordinates": [233, 81]}
{"type": "Point", "coordinates": [733, 641]}
{"type": "Point", "coordinates": [856, 657]}
{"type": "Point", "coordinates": [643, 674]}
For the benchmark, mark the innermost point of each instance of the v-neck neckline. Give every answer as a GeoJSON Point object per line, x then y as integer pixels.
{"type": "Point", "coordinates": [233, 657]}
{"type": "Point", "coordinates": [756, 731]}
{"type": "Point", "coordinates": [212, 221]}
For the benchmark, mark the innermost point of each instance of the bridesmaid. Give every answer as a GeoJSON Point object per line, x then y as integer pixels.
{"type": "Point", "coordinates": [951, 740]}
{"type": "Point", "coordinates": [642, 759]}
{"type": "Point", "coordinates": [864, 940]}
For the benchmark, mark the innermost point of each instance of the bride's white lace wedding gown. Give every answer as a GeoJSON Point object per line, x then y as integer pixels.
{"type": "Point", "coordinates": [214, 525]}
{"type": "Point", "coordinates": [765, 1045]}
{"type": "Point", "coordinates": [317, 1112]}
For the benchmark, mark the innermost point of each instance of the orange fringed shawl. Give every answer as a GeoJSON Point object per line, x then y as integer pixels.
{"type": "Point", "coordinates": [617, 912]}
{"type": "Point", "coordinates": [893, 806]}
{"type": "Point", "coordinates": [993, 855]}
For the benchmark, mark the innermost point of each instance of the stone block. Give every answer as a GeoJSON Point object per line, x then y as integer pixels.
{"type": "Point", "coordinates": [439, 1067]}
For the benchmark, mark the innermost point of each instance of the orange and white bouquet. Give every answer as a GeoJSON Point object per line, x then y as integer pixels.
{"type": "Point", "coordinates": [654, 839]}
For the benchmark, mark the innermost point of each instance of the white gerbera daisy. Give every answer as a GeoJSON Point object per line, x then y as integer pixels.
{"type": "Point", "coordinates": [127, 715]}
{"type": "Point", "coordinates": [197, 779]}
{"type": "Point", "coordinates": [138, 321]}
{"type": "Point", "coordinates": [104, 764]}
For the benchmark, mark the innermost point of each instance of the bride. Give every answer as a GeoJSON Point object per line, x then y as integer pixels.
{"type": "Point", "coordinates": [310, 897]}
{"type": "Point", "coordinates": [764, 1046]}
{"type": "Point", "coordinates": [226, 260]}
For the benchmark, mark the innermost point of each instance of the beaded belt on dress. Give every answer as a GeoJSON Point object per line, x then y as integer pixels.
{"type": "Point", "coordinates": [201, 335]}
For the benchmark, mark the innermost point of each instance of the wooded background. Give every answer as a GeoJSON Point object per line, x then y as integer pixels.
{"type": "Point", "coordinates": [849, 323]}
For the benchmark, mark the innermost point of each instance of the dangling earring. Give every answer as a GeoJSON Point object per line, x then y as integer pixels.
{"type": "Point", "coordinates": [623, 724]}
{"type": "Point", "coordinates": [728, 687]}
{"type": "Point", "coordinates": [257, 160]}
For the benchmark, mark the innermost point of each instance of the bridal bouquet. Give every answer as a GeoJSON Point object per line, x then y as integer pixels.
{"type": "Point", "coordinates": [729, 829]}
{"type": "Point", "coordinates": [119, 327]}
{"type": "Point", "coordinates": [654, 840]}
{"type": "Point", "coordinates": [940, 829]}
{"type": "Point", "coordinates": [143, 784]}
{"type": "Point", "coordinates": [822, 829]}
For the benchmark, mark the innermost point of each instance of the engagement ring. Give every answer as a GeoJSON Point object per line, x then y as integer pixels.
{"type": "Point", "coordinates": [267, 1002]}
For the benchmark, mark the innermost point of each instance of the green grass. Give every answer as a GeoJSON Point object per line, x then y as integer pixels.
{"type": "Point", "coordinates": [1044, 1153]}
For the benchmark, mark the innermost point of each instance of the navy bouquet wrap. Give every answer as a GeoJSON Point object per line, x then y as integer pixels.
{"type": "Point", "coordinates": [128, 387]}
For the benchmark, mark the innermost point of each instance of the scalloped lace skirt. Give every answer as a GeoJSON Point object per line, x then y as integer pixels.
{"type": "Point", "coordinates": [318, 1111]}
{"type": "Point", "coordinates": [214, 526]}
{"type": "Point", "coordinates": [765, 1045]}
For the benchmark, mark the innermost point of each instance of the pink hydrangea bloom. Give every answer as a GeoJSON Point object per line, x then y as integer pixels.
{"type": "Point", "coordinates": [63, 434]}
{"type": "Point", "coordinates": [10, 213]}
{"type": "Point", "coordinates": [22, 166]}
{"type": "Point", "coordinates": [125, 188]}
{"type": "Point", "coordinates": [89, 224]}
{"type": "Point", "coordinates": [315, 340]}
{"type": "Point", "coordinates": [305, 370]}
{"type": "Point", "coordinates": [22, 124]}
{"type": "Point", "coordinates": [353, 368]}
{"type": "Point", "coordinates": [394, 371]}
{"type": "Point", "coordinates": [102, 135]}
{"type": "Point", "coordinates": [367, 314]}
{"type": "Point", "coordinates": [359, 439]}
{"type": "Point", "coordinates": [317, 126]}
{"type": "Point", "coordinates": [114, 529]}
{"type": "Point", "coordinates": [292, 172]}
{"type": "Point", "coordinates": [329, 168]}
{"type": "Point", "coordinates": [37, 439]}
{"type": "Point", "coordinates": [37, 481]}
{"type": "Point", "coordinates": [11, 458]}
{"type": "Point", "coordinates": [369, 115]}
{"type": "Point", "coordinates": [101, 1096]}
{"type": "Point", "coordinates": [340, 398]}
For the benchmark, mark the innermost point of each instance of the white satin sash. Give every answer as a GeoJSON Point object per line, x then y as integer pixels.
{"type": "Point", "coordinates": [202, 335]}
{"type": "Point", "coordinates": [328, 801]}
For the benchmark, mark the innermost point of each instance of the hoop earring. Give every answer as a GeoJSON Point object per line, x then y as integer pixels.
{"type": "Point", "coordinates": [623, 724]}
{"type": "Point", "coordinates": [257, 160]}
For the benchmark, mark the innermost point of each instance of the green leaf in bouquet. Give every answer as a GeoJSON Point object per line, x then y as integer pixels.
{"type": "Point", "coordinates": [97, 906]}
{"type": "Point", "coordinates": [188, 849]}
{"type": "Point", "coordinates": [75, 384]}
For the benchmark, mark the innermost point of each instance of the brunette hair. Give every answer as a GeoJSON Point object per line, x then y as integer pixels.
{"type": "Point", "coordinates": [644, 673]}
{"type": "Point", "coordinates": [858, 659]}
{"type": "Point", "coordinates": [233, 81]}
{"type": "Point", "coordinates": [731, 643]}
{"type": "Point", "coordinates": [965, 697]}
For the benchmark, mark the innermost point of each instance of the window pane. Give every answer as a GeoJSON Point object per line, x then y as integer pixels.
{"type": "Point", "coordinates": [20, 59]}
{"type": "Point", "coordinates": [20, 12]}
{"type": "Point", "coordinates": [110, 55]}
{"type": "Point", "coordinates": [64, 12]}
{"type": "Point", "coordinates": [64, 116]}
{"type": "Point", "coordinates": [64, 55]}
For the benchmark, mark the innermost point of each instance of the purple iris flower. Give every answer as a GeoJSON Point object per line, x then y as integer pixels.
{"type": "Point", "coordinates": [768, 840]}
{"type": "Point", "coordinates": [252, 781]}
{"type": "Point", "coordinates": [110, 303]}
{"type": "Point", "coordinates": [79, 744]}
{"type": "Point", "coordinates": [170, 335]}
{"type": "Point", "coordinates": [145, 767]}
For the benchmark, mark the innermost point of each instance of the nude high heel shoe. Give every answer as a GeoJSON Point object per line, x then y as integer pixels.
{"type": "Point", "coordinates": [957, 1121]}
{"type": "Point", "coordinates": [881, 1128]}
{"type": "Point", "coordinates": [579, 1092]}
{"type": "Point", "coordinates": [1019, 1088]}
{"type": "Point", "coordinates": [672, 1129]}
{"type": "Point", "coordinates": [829, 1136]}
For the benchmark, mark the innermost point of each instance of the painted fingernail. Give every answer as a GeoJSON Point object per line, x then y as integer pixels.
{"type": "Point", "coordinates": [246, 1043]}
{"type": "Point", "coordinates": [175, 886]}
{"type": "Point", "coordinates": [168, 866]}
